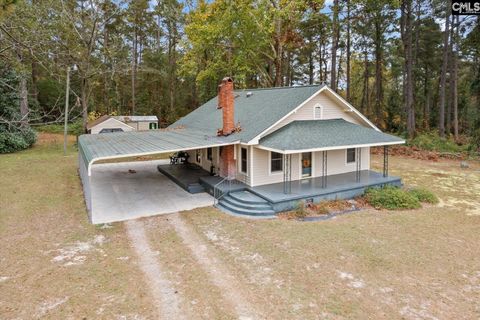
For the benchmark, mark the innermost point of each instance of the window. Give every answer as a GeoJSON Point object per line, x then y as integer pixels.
{"type": "Point", "coordinates": [152, 125]}
{"type": "Point", "coordinates": [209, 154]}
{"type": "Point", "coordinates": [110, 130]}
{"type": "Point", "coordinates": [243, 160]}
{"type": "Point", "coordinates": [317, 113]}
{"type": "Point", "coordinates": [276, 162]}
{"type": "Point", "coordinates": [350, 155]}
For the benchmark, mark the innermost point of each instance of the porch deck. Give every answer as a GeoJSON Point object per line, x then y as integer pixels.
{"type": "Point", "coordinates": [339, 186]}
{"type": "Point", "coordinates": [195, 179]}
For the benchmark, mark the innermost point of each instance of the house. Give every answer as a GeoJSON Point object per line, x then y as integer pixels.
{"type": "Point", "coordinates": [261, 151]}
{"type": "Point", "coordinates": [108, 124]}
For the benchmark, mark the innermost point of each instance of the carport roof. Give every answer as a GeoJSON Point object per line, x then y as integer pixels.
{"type": "Point", "coordinates": [93, 147]}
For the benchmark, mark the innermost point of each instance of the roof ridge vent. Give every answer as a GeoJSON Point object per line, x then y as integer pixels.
{"type": "Point", "coordinates": [249, 94]}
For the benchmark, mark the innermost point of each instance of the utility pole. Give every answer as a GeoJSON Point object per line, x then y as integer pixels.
{"type": "Point", "coordinates": [67, 92]}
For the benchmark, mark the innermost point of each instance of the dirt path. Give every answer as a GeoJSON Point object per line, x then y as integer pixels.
{"type": "Point", "coordinates": [232, 291]}
{"type": "Point", "coordinates": [166, 300]}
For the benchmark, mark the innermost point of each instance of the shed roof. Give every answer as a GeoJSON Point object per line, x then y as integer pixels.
{"type": "Point", "coordinates": [317, 135]}
{"type": "Point", "coordinates": [138, 143]}
{"type": "Point", "coordinates": [136, 118]}
{"type": "Point", "coordinates": [255, 112]}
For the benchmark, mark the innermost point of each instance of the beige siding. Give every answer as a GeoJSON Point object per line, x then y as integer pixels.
{"type": "Point", "coordinates": [331, 109]}
{"type": "Point", "coordinates": [110, 124]}
{"type": "Point", "coordinates": [204, 162]}
{"type": "Point", "coordinates": [336, 164]}
{"type": "Point", "coordinates": [140, 125]}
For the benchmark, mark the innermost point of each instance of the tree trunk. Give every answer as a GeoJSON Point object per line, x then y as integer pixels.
{"type": "Point", "coordinates": [365, 97]}
{"type": "Point", "coordinates": [84, 102]}
{"type": "Point", "coordinates": [134, 68]}
{"type": "Point", "coordinates": [455, 80]}
{"type": "Point", "coordinates": [311, 64]}
{"type": "Point", "coordinates": [443, 74]}
{"type": "Point", "coordinates": [348, 50]}
{"type": "Point", "coordinates": [335, 36]}
{"type": "Point", "coordinates": [426, 107]}
{"type": "Point", "coordinates": [35, 81]}
{"type": "Point", "coordinates": [451, 80]}
{"type": "Point", "coordinates": [24, 100]}
{"type": "Point", "coordinates": [278, 52]}
{"type": "Point", "coordinates": [407, 45]}
{"type": "Point", "coordinates": [378, 74]}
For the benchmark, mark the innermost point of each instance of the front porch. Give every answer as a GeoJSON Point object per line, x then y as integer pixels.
{"type": "Point", "coordinates": [239, 198]}
{"type": "Point", "coordinates": [338, 186]}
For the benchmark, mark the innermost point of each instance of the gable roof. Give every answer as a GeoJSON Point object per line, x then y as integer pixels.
{"type": "Point", "coordinates": [317, 135]}
{"type": "Point", "coordinates": [255, 112]}
{"type": "Point", "coordinates": [97, 121]}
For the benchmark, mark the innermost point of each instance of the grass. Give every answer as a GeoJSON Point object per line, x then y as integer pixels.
{"type": "Point", "coordinates": [402, 264]}
{"type": "Point", "coordinates": [43, 218]}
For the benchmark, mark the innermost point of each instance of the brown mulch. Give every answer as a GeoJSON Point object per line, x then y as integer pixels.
{"type": "Point", "coordinates": [326, 207]}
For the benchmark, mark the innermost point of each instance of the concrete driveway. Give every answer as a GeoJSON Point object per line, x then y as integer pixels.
{"type": "Point", "coordinates": [119, 194]}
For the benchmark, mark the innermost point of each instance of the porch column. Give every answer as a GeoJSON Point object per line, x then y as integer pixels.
{"type": "Point", "coordinates": [324, 168]}
{"type": "Point", "coordinates": [287, 173]}
{"type": "Point", "coordinates": [358, 155]}
{"type": "Point", "coordinates": [385, 161]}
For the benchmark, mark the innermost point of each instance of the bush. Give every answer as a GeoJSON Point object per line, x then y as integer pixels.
{"type": "Point", "coordinates": [391, 198]}
{"type": "Point", "coordinates": [431, 141]}
{"type": "Point", "coordinates": [423, 195]}
{"type": "Point", "coordinates": [16, 140]}
{"type": "Point", "coordinates": [300, 211]}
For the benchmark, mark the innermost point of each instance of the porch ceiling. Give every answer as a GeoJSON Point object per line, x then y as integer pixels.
{"type": "Point", "coordinates": [94, 147]}
{"type": "Point", "coordinates": [320, 135]}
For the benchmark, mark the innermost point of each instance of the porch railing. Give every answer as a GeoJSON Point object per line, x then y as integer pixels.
{"type": "Point", "coordinates": [223, 188]}
{"type": "Point", "coordinates": [217, 190]}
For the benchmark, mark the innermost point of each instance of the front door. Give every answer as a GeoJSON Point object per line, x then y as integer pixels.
{"type": "Point", "coordinates": [306, 164]}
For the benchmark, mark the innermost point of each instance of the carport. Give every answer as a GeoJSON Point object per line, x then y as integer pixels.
{"type": "Point", "coordinates": [112, 146]}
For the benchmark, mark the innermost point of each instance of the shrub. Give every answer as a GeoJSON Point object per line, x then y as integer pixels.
{"type": "Point", "coordinates": [431, 141]}
{"type": "Point", "coordinates": [12, 141]}
{"type": "Point", "coordinates": [300, 211]}
{"type": "Point", "coordinates": [423, 195]}
{"type": "Point", "coordinates": [391, 198]}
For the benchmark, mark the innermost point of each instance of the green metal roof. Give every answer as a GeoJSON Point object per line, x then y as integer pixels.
{"type": "Point", "coordinates": [255, 113]}
{"type": "Point", "coordinates": [94, 147]}
{"type": "Point", "coordinates": [324, 134]}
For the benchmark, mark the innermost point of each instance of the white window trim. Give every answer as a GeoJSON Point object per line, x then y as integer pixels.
{"type": "Point", "coordinates": [346, 157]}
{"type": "Point", "coordinates": [300, 166]}
{"type": "Point", "coordinates": [318, 105]}
{"type": "Point", "coordinates": [276, 173]}
{"type": "Point", "coordinates": [240, 160]}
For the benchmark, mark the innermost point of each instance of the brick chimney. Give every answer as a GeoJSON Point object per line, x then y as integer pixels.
{"type": "Point", "coordinates": [226, 102]}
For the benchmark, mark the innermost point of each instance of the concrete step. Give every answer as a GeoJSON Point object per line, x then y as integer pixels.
{"type": "Point", "coordinates": [222, 205]}
{"type": "Point", "coordinates": [195, 188]}
{"type": "Point", "coordinates": [247, 197]}
{"type": "Point", "coordinates": [246, 205]}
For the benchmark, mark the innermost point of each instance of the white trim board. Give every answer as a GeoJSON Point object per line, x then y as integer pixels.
{"type": "Point", "coordinates": [153, 153]}
{"type": "Point", "coordinates": [331, 148]}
